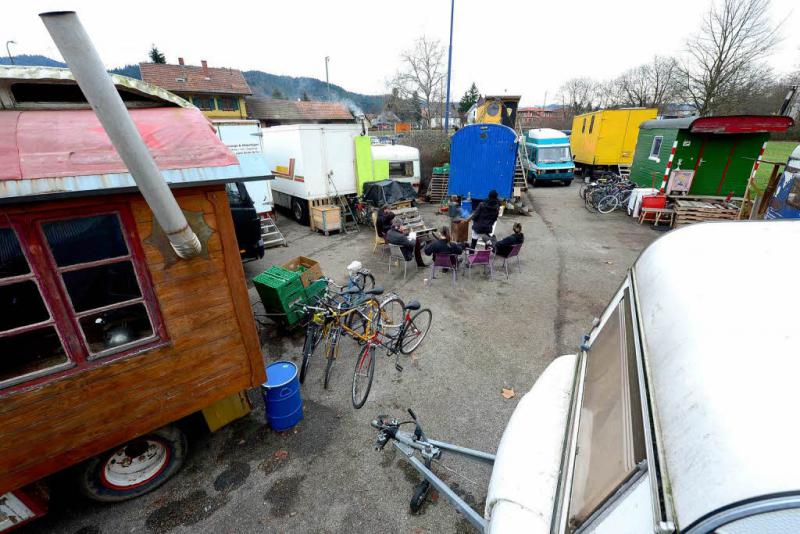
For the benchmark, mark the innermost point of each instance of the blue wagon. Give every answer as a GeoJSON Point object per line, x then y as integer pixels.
{"type": "Point", "coordinates": [482, 158]}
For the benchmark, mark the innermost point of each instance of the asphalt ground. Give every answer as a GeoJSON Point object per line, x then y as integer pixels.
{"type": "Point", "coordinates": [324, 476]}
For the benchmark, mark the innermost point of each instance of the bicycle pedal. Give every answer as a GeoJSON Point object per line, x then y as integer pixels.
{"type": "Point", "coordinates": [398, 367]}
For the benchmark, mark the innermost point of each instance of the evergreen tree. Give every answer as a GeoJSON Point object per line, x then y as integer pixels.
{"type": "Point", "coordinates": [471, 96]}
{"type": "Point", "coordinates": [276, 93]}
{"type": "Point", "coordinates": [156, 56]}
{"type": "Point", "coordinates": [305, 98]}
{"type": "Point", "coordinates": [416, 109]}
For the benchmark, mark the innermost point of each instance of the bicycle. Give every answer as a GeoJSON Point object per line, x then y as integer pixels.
{"type": "Point", "coordinates": [410, 334]}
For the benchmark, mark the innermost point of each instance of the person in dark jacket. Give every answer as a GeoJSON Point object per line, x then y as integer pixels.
{"type": "Point", "coordinates": [484, 217]}
{"type": "Point", "coordinates": [443, 245]}
{"type": "Point", "coordinates": [503, 247]}
{"type": "Point", "coordinates": [384, 220]}
{"type": "Point", "coordinates": [398, 235]}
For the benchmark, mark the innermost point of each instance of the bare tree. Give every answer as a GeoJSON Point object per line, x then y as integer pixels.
{"type": "Point", "coordinates": [578, 94]}
{"type": "Point", "coordinates": [422, 71]}
{"type": "Point", "coordinates": [723, 58]}
{"type": "Point", "coordinates": [649, 85]}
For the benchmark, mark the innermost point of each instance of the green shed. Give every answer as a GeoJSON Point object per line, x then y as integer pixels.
{"type": "Point", "coordinates": [720, 150]}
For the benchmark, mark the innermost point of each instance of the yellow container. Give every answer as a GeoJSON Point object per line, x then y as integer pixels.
{"type": "Point", "coordinates": [607, 137]}
{"type": "Point", "coordinates": [226, 410]}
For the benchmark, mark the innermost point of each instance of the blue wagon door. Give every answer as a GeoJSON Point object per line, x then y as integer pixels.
{"type": "Point", "coordinates": [482, 158]}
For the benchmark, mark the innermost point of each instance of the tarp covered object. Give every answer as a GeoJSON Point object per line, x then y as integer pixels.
{"type": "Point", "coordinates": [482, 158]}
{"type": "Point", "coordinates": [60, 143]}
{"type": "Point", "coordinates": [388, 192]}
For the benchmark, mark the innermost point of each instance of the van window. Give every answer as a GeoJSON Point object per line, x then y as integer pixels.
{"type": "Point", "coordinates": [583, 129]}
{"type": "Point", "coordinates": [655, 148]}
{"type": "Point", "coordinates": [591, 124]}
{"type": "Point", "coordinates": [610, 441]}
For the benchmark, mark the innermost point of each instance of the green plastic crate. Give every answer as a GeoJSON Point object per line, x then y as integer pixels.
{"type": "Point", "coordinates": [279, 289]}
{"type": "Point", "coordinates": [315, 290]}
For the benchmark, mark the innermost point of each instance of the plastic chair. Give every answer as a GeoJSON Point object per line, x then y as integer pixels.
{"type": "Point", "coordinates": [396, 253]}
{"type": "Point", "coordinates": [443, 262]}
{"type": "Point", "coordinates": [379, 241]}
{"type": "Point", "coordinates": [479, 257]}
{"type": "Point", "coordinates": [513, 253]}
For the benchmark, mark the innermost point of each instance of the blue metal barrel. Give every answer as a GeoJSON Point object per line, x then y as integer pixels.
{"type": "Point", "coordinates": [282, 400]}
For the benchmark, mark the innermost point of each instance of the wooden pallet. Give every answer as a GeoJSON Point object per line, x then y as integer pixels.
{"type": "Point", "coordinates": [437, 189]}
{"type": "Point", "coordinates": [693, 211]}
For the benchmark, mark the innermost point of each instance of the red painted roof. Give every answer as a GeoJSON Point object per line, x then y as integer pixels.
{"type": "Point", "coordinates": [189, 79]}
{"type": "Point", "coordinates": [60, 143]}
{"type": "Point", "coordinates": [741, 124]}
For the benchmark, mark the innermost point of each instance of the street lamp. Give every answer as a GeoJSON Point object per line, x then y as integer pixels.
{"type": "Point", "coordinates": [10, 57]}
{"type": "Point", "coordinates": [328, 83]}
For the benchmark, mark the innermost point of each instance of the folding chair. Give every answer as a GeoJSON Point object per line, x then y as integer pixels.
{"type": "Point", "coordinates": [379, 241]}
{"type": "Point", "coordinates": [396, 253]}
{"type": "Point", "coordinates": [443, 262]}
{"type": "Point", "coordinates": [479, 257]}
{"type": "Point", "coordinates": [513, 253]}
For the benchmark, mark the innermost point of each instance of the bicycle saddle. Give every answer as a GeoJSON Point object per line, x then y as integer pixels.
{"type": "Point", "coordinates": [377, 290]}
{"type": "Point", "coordinates": [413, 305]}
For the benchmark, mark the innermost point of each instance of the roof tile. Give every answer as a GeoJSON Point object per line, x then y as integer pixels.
{"type": "Point", "coordinates": [287, 110]}
{"type": "Point", "coordinates": [190, 78]}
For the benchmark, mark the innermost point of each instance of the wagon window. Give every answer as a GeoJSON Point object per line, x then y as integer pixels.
{"type": "Point", "coordinates": [29, 343]}
{"type": "Point", "coordinates": [97, 271]}
{"type": "Point", "coordinates": [401, 169]}
{"type": "Point", "coordinates": [591, 124]}
{"type": "Point", "coordinates": [583, 129]}
{"type": "Point", "coordinates": [610, 441]}
{"type": "Point", "coordinates": [793, 199]}
{"type": "Point", "coordinates": [655, 148]}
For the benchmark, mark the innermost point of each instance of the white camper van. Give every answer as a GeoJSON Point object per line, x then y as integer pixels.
{"type": "Point", "coordinates": [311, 162]}
{"type": "Point", "coordinates": [678, 413]}
{"type": "Point", "coordinates": [403, 162]}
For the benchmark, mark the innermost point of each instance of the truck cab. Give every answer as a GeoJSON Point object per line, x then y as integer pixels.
{"type": "Point", "coordinates": [549, 156]}
{"type": "Point", "coordinates": [785, 203]}
{"type": "Point", "coordinates": [676, 414]}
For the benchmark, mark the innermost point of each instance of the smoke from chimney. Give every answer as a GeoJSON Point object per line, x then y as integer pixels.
{"type": "Point", "coordinates": [204, 63]}
{"type": "Point", "coordinates": [180, 61]}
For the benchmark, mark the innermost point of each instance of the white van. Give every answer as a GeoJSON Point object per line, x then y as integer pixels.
{"type": "Point", "coordinates": [243, 138]}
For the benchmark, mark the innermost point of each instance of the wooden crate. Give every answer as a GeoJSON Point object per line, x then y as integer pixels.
{"type": "Point", "coordinates": [326, 218]}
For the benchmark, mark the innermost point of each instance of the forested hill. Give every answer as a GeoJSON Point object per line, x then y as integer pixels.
{"type": "Point", "coordinates": [262, 84]}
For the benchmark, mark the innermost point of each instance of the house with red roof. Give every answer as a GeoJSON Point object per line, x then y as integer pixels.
{"type": "Point", "coordinates": [275, 112]}
{"type": "Point", "coordinates": [218, 92]}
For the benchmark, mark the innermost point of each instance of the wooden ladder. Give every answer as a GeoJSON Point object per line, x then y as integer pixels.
{"type": "Point", "coordinates": [270, 234]}
{"type": "Point", "coordinates": [437, 189]}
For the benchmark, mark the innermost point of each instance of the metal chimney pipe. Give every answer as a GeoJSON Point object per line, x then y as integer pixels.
{"type": "Point", "coordinates": [83, 60]}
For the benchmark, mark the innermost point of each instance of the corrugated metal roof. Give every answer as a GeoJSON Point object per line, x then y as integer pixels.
{"type": "Point", "coordinates": [668, 124]}
{"type": "Point", "coordinates": [289, 110]}
{"type": "Point", "coordinates": [57, 74]}
{"type": "Point", "coordinates": [190, 78]}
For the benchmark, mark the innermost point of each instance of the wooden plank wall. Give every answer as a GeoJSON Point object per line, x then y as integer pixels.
{"type": "Point", "coordinates": [213, 352]}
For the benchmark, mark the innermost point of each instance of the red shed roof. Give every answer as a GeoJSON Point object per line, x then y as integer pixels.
{"type": "Point", "coordinates": [189, 79]}
{"type": "Point", "coordinates": [65, 143]}
{"type": "Point", "coordinates": [741, 124]}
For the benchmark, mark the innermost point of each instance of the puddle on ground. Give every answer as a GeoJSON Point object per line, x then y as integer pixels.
{"type": "Point", "coordinates": [234, 476]}
{"type": "Point", "coordinates": [187, 511]}
{"type": "Point", "coordinates": [283, 495]}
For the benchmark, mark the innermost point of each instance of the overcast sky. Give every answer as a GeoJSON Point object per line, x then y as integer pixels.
{"type": "Point", "coordinates": [515, 46]}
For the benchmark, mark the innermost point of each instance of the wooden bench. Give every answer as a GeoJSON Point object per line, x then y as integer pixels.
{"type": "Point", "coordinates": [665, 215]}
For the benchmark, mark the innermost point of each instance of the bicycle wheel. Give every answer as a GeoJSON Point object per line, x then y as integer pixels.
{"type": "Point", "coordinates": [607, 204]}
{"type": "Point", "coordinates": [392, 314]}
{"type": "Point", "coordinates": [309, 345]}
{"type": "Point", "coordinates": [416, 329]}
{"type": "Point", "coordinates": [364, 280]}
{"type": "Point", "coordinates": [362, 375]}
{"type": "Point", "coordinates": [332, 350]}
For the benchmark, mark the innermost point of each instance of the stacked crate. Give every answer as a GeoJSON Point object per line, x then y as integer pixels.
{"type": "Point", "coordinates": [701, 210]}
{"type": "Point", "coordinates": [283, 292]}
{"type": "Point", "coordinates": [437, 189]}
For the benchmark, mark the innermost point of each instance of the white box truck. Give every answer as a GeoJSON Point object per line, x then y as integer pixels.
{"type": "Point", "coordinates": [312, 163]}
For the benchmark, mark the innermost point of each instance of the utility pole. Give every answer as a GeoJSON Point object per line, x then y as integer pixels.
{"type": "Point", "coordinates": [449, 66]}
{"type": "Point", "coordinates": [10, 57]}
{"type": "Point", "coordinates": [327, 82]}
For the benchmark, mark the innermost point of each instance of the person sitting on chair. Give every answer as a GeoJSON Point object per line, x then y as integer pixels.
{"type": "Point", "coordinates": [398, 235]}
{"type": "Point", "coordinates": [503, 247]}
{"type": "Point", "coordinates": [443, 245]}
{"type": "Point", "coordinates": [384, 220]}
{"type": "Point", "coordinates": [484, 217]}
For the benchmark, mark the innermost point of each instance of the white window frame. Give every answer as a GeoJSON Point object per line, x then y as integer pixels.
{"type": "Point", "coordinates": [654, 156]}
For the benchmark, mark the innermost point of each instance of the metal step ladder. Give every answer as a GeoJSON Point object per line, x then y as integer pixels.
{"type": "Point", "coordinates": [520, 169]}
{"type": "Point", "coordinates": [270, 233]}
{"type": "Point", "coordinates": [624, 171]}
{"type": "Point", "coordinates": [348, 218]}
{"type": "Point", "coordinates": [437, 189]}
